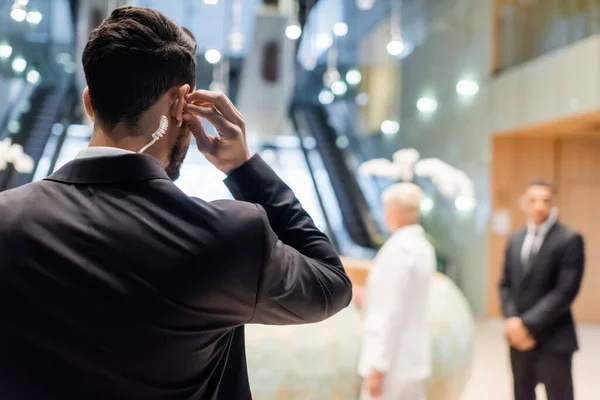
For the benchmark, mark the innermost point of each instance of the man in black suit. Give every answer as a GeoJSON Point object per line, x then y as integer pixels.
{"type": "Point", "coordinates": [116, 285]}
{"type": "Point", "coordinates": [543, 268]}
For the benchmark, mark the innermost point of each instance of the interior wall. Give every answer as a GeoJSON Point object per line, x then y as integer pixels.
{"type": "Point", "coordinates": [579, 199]}
{"type": "Point", "coordinates": [459, 131]}
{"type": "Point", "coordinates": [457, 47]}
{"type": "Point", "coordinates": [556, 85]}
{"type": "Point", "coordinates": [571, 164]}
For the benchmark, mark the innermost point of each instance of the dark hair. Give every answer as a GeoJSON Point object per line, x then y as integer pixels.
{"type": "Point", "coordinates": [132, 59]}
{"type": "Point", "coordinates": [543, 183]}
{"type": "Point", "coordinates": [191, 35]}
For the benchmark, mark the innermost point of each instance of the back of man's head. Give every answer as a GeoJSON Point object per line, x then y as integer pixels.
{"type": "Point", "coordinates": [133, 58]}
{"type": "Point", "coordinates": [405, 197]}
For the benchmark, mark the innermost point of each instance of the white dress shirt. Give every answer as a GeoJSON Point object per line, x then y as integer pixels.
{"type": "Point", "coordinates": [101, 151]}
{"type": "Point", "coordinates": [535, 236]}
{"type": "Point", "coordinates": [396, 337]}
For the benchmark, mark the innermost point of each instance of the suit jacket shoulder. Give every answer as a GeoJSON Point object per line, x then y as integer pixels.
{"type": "Point", "coordinates": [566, 231]}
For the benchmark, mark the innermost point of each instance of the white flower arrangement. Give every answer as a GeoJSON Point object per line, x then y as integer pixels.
{"type": "Point", "coordinates": [407, 163]}
{"type": "Point", "coordinates": [11, 153]}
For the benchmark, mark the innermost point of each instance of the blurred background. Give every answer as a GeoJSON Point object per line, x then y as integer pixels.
{"type": "Point", "coordinates": [501, 91]}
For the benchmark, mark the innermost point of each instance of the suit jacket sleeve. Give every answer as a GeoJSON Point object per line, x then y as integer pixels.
{"type": "Point", "coordinates": [383, 326]}
{"type": "Point", "coordinates": [558, 301]}
{"type": "Point", "coordinates": [302, 278]}
{"type": "Point", "coordinates": [509, 306]}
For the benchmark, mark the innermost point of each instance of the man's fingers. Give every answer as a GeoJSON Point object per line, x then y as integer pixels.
{"type": "Point", "coordinates": [205, 143]}
{"type": "Point", "coordinates": [224, 126]}
{"type": "Point", "coordinates": [220, 101]}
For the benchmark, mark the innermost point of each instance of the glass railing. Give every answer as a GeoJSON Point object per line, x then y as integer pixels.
{"type": "Point", "coordinates": [525, 30]}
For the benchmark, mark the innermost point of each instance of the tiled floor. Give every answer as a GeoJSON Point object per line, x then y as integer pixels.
{"type": "Point", "coordinates": [491, 379]}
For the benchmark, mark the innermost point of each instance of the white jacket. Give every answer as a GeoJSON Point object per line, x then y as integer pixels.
{"type": "Point", "coordinates": [396, 337]}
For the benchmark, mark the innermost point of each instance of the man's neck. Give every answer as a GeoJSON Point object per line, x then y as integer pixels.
{"type": "Point", "coordinates": [122, 138]}
{"type": "Point", "coordinates": [100, 139]}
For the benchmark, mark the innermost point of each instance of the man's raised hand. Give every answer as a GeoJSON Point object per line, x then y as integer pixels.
{"type": "Point", "coordinates": [229, 150]}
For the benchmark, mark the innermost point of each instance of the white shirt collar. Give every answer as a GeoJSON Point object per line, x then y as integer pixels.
{"type": "Point", "coordinates": [415, 229]}
{"type": "Point", "coordinates": [543, 229]}
{"type": "Point", "coordinates": [101, 151]}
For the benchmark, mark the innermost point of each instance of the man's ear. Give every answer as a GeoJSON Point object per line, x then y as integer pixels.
{"type": "Point", "coordinates": [87, 103]}
{"type": "Point", "coordinates": [177, 108]}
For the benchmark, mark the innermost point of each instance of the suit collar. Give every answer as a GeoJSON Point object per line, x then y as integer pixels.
{"type": "Point", "coordinates": [102, 151]}
{"type": "Point", "coordinates": [110, 169]}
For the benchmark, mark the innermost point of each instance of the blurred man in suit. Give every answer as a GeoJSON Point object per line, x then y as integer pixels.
{"type": "Point", "coordinates": [543, 268]}
{"type": "Point", "coordinates": [114, 283]}
{"type": "Point", "coordinates": [396, 351]}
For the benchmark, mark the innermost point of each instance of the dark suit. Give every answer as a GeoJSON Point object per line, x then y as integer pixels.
{"type": "Point", "coordinates": [116, 285]}
{"type": "Point", "coordinates": [541, 295]}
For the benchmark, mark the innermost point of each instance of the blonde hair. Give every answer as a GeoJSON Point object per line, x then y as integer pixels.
{"type": "Point", "coordinates": [405, 196]}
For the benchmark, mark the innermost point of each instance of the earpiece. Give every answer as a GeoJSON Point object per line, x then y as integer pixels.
{"type": "Point", "coordinates": [162, 129]}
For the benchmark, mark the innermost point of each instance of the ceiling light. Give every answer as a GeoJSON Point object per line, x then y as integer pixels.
{"type": "Point", "coordinates": [342, 142]}
{"type": "Point", "coordinates": [18, 13]}
{"type": "Point", "coordinates": [365, 4]}
{"type": "Point", "coordinates": [19, 64]}
{"type": "Point", "coordinates": [340, 29]}
{"type": "Point", "coordinates": [25, 107]}
{"type": "Point", "coordinates": [63, 58]}
{"type": "Point", "coordinates": [33, 76]}
{"type": "Point", "coordinates": [323, 41]}
{"type": "Point", "coordinates": [34, 17]}
{"type": "Point", "coordinates": [310, 63]}
{"type": "Point", "coordinates": [339, 88]}
{"type": "Point", "coordinates": [293, 31]}
{"type": "Point", "coordinates": [467, 88]}
{"type": "Point", "coordinates": [309, 143]}
{"type": "Point", "coordinates": [5, 50]}
{"type": "Point", "coordinates": [427, 104]}
{"type": "Point", "coordinates": [58, 128]}
{"type": "Point", "coordinates": [353, 77]}
{"type": "Point", "coordinates": [212, 56]}
{"type": "Point", "coordinates": [427, 205]}
{"type": "Point", "coordinates": [362, 99]}
{"type": "Point", "coordinates": [326, 97]}
{"type": "Point", "coordinates": [22, 2]}
{"type": "Point", "coordinates": [211, 2]}
{"type": "Point", "coordinates": [464, 203]}
{"type": "Point", "coordinates": [395, 47]}
{"type": "Point", "coordinates": [330, 76]}
{"type": "Point", "coordinates": [236, 41]}
{"type": "Point", "coordinates": [70, 67]}
{"type": "Point", "coordinates": [14, 126]}
{"type": "Point", "coordinates": [389, 127]}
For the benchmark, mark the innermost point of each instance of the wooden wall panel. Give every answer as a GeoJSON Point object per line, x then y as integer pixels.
{"type": "Point", "coordinates": [579, 199]}
{"type": "Point", "coordinates": [515, 162]}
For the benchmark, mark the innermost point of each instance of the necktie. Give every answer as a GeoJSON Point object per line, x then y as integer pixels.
{"type": "Point", "coordinates": [532, 250]}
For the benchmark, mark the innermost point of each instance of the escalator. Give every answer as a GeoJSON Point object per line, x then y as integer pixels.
{"type": "Point", "coordinates": [311, 120]}
{"type": "Point", "coordinates": [46, 106]}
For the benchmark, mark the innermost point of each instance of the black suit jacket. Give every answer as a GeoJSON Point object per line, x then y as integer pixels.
{"type": "Point", "coordinates": [116, 285]}
{"type": "Point", "coordinates": [542, 295]}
